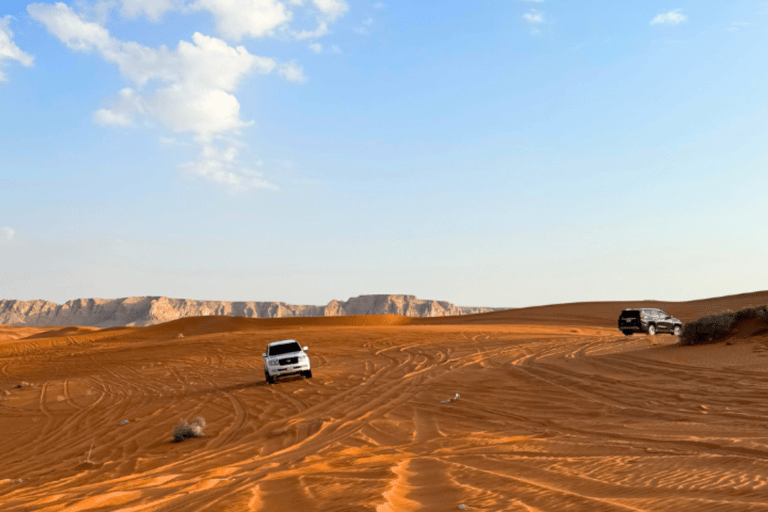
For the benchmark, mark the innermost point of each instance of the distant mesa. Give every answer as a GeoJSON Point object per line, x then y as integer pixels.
{"type": "Point", "coordinates": [143, 311]}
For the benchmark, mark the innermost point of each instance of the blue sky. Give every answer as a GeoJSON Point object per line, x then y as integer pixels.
{"type": "Point", "coordinates": [491, 153]}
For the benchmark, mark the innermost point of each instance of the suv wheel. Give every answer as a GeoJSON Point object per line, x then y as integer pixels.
{"type": "Point", "coordinates": [651, 330]}
{"type": "Point", "coordinates": [677, 331]}
{"type": "Point", "coordinates": [270, 380]}
{"type": "Point", "coordinates": [627, 333]}
{"type": "Point", "coordinates": [308, 374]}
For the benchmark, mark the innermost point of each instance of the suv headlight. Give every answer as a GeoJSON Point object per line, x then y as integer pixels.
{"type": "Point", "coordinates": [273, 362]}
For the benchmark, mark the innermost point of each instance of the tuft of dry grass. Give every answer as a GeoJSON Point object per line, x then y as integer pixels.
{"type": "Point", "coordinates": [717, 327]}
{"type": "Point", "coordinates": [189, 429]}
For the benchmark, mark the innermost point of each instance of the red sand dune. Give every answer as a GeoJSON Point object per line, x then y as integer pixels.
{"type": "Point", "coordinates": [558, 411]}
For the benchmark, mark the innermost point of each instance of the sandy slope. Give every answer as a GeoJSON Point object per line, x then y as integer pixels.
{"type": "Point", "coordinates": [550, 417]}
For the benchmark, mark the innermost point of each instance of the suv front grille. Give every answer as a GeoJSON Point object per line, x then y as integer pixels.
{"type": "Point", "coordinates": [289, 360]}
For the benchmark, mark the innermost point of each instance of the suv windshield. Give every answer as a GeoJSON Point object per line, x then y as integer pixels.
{"type": "Point", "coordinates": [284, 348]}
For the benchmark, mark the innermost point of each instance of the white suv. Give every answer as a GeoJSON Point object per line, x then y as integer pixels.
{"type": "Point", "coordinates": [285, 357]}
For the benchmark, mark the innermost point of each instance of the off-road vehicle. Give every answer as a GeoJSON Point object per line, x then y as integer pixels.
{"type": "Point", "coordinates": [649, 321]}
{"type": "Point", "coordinates": [285, 357]}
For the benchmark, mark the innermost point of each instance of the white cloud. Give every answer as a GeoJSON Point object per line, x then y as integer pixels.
{"type": "Point", "coordinates": [234, 19]}
{"type": "Point", "coordinates": [222, 166]}
{"type": "Point", "coordinates": [364, 29]}
{"type": "Point", "coordinates": [173, 141]}
{"type": "Point", "coordinates": [199, 77]}
{"type": "Point", "coordinates": [7, 234]}
{"type": "Point", "coordinates": [379, 5]}
{"type": "Point", "coordinates": [238, 18]}
{"type": "Point", "coordinates": [112, 118]}
{"type": "Point", "coordinates": [534, 16]}
{"type": "Point", "coordinates": [77, 34]}
{"type": "Point", "coordinates": [123, 110]}
{"type": "Point", "coordinates": [321, 30]}
{"type": "Point", "coordinates": [8, 49]}
{"type": "Point", "coordinates": [190, 89]}
{"type": "Point", "coordinates": [152, 9]}
{"type": "Point", "coordinates": [331, 9]}
{"type": "Point", "coordinates": [292, 71]}
{"type": "Point", "coordinates": [316, 47]}
{"type": "Point", "coordinates": [674, 17]}
{"type": "Point", "coordinates": [184, 107]}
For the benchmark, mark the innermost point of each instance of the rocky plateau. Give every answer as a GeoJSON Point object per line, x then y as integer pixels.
{"type": "Point", "coordinates": [143, 311]}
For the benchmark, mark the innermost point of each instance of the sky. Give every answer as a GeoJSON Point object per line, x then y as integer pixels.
{"type": "Point", "coordinates": [500, 153]}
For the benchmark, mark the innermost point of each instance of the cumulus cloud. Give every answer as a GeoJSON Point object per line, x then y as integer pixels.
{"type": "Point", "coordinates": [238, 18]}
{"type": "Point", "coordinates": [198, 78]}
{"type": "Point", "coordinates": [127, 104]}
{"type": "Point", "coordinates": [189, 89]}
{"type": "Point", "coordinates": [8, 49]}
{"type": "Point", "coordinates": [221, 165]}
{"type": "Point", "coordinates": [365, 28]}
{"type": "Point", "coordinates": [152, 9]}
{"type": "Point", "coordinates": [321, 30]}
{"type": "Point", "coordinates": [328, 12]}
{"type": "Point", "coordinates": [331, 9]}
{"type": "Point", "coordinates": [674, 17]}
{"type": "Point", "coordinates": [534, 16]}
{"type": "Point", "coordinates": [7, 234]}
{"type": "Point", "coordinates": [292, 71]}
{"type": "Point", "coordinates": [316, 47]}
{"type": "Point", "coordinates": [111, 118]}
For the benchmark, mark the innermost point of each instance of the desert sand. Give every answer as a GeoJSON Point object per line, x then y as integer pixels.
{"type": "Point", "coordinates": [557, 411]}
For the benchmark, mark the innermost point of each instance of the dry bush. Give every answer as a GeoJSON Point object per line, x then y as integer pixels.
{"type": "Point", "coordinates": [716, 327]}
{"type": "Point", "coordinates": [189, 429]}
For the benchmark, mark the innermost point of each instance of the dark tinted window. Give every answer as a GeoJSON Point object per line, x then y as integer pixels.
{"type": "Point", "coordinates": [631, 313]}
{"type": "Point", "coordinates": [284, 348]}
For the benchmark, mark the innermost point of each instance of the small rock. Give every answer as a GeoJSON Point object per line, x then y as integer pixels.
{"type": "Point", "coordinates": [462, 507]}
{"type": "Point", "coordinates": [124, 422]}
{"type": "Point", "coordinates": [450, 399]}
{"type": "Point", "coordinates": [20, 481]}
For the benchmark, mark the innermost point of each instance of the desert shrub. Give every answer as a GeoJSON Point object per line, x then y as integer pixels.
{"type": "Point", "coordinates": [189, 429]}
{"type": "Point", "coordinates": [716, 327]}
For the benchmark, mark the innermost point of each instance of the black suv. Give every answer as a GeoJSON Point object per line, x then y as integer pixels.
{"type": "Point", "coordinates": [649, 321]}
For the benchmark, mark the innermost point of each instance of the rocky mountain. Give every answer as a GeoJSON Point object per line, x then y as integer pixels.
{"type": "Point", "coordinates": [141, 311]}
